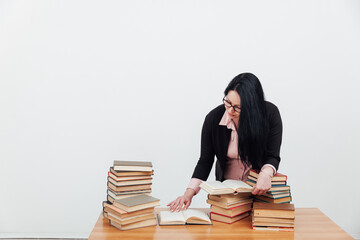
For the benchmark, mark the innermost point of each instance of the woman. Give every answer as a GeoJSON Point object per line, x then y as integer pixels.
{"type": "Point", "coordinates": [243, 133]}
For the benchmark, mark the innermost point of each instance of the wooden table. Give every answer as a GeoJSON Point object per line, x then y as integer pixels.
{"type": "Point", "coordinates": [310, 223]}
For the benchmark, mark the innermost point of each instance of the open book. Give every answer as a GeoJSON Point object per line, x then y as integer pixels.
{"type": "Point", "coordinates": [189, 216]}
{"type": "Point", "coordinates": [225, 187]}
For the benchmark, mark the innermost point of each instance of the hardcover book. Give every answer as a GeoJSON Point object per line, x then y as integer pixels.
{"type": "Point", "coordinates": [132, 166]}
{"type": "Point", "coordinates": [229, 205]}
{"type": "Point", "coordinates": [140, 224]}
{"type": "Point", "coordinates": [274, 210]}
{"type": "Point", "coordinates": [232, 211]}
{"type": "Point", "coordinates": [276, 177]}
{"type": "Point", "coordinates": [230, 198]}
{"type": "Point", "coordinates": [131, 173]}
{"type": "Point", "coordinates": [226, 219]}
{"type": "Point", "coordinates": [135, 203]}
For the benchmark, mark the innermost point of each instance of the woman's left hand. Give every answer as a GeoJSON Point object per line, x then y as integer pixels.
{"type": "Point", "coordinates": [263, 183]}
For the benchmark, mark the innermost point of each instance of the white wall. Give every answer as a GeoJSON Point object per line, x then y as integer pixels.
{"type": "Point", "coordinates": [85, 82]}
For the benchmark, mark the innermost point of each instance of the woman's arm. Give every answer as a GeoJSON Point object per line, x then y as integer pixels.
{"type": "Point", "coordinates": [272, 154]}
{"type": "Point", "coordinates": [202, 169]}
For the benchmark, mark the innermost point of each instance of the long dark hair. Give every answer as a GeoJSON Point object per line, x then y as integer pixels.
{"type": "Point", "coordinates": [253, 125]}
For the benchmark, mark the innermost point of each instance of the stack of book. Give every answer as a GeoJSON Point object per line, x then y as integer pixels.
{"type": "Point", "coordinates": [230, 200]}
{"type": "Point", "coordinates": [272, 216]}
{"type": "Point", "coordinates": [229, 208]}
{"type": "Point", "coordinates": [129, 178]}
{"type": "Point", "coordinates": [279, 191]}
{"type": "Point", "coordinates": [131, 212]}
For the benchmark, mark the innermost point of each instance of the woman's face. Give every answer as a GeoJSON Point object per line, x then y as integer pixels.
{"type": "Point", "coordinates": [231, 101]}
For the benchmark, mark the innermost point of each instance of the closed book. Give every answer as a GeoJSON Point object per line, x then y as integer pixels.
{"type": "Point", "coordinates": [109, 208]}
{"type": "Point", "coordinates": [277, 177]}
{"type": "Point", "coordinates": [230, 198]}
{"type": "Point", "coordinates": [116, 195]}
{"type": "Point", "coordinates": [272, 182]}
{"type": "Point", "coordinates": [226, 219]}
{"type": "Point", "coordinates": [232, 211]}
{"type": "Point", "coordinates": [140, 224]}
{"type": "Point", "coordinates": [229, 205]}
{"type": "Point", "coordinates": [132, 166]}
{"type": "Point", "coordinates": [274, 200]}
{"type": "Point", "coordinates": [133, 219]}
{"type": "Point", "coordinates": [261, 209]}
{"type": "Point", "coordinates": [273, 220]}
{"type": "Point", "coordinates": [279, 229]}
{"type": "Point", "coordinates": [273, 188]}
{"type": "Point", "coordinates": [267, 224]}
{"type": "Point", "coordinates": [135, 203]}
{"type": "Point", "coordinates": [129, 178]}
{"type": "Point", "coordinates": [131, 173]}
{"type": "Point", "coordinates": [279, 194]}
{"type": "Point", "coordinates": [129, 183]}
{"type": "Point", "coordinates": [128, 188]}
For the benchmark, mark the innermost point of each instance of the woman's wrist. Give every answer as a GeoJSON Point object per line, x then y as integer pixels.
{"type": "Point", "coordinates": [190, 192]}
{"type": "Point", "coordinates": [268, 171]}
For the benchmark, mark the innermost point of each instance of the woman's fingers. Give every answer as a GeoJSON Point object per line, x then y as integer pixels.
{"type": "Point", "coordinates": [180, 205]}
{"type": "Point", "coordinates": [187, 204]}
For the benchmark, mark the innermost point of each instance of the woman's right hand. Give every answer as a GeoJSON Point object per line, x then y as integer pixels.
{"type": "Point", "coordinates": [178, 203]}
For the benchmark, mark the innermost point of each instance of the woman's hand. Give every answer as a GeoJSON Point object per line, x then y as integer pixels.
{"type": "Point", "coordinates": [177, 204]}
{"type": "Point", "coordinates": [263, 183]}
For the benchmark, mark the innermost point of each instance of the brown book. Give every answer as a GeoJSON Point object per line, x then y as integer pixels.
{"type": "Point", "coordinates": [129, 183]}
{"type": "Point", "coordinates": [267, 224]}
{"type": "Point", "coordinates": [129, 178]}
{"type": "Point", "coordinates": [133, 219]}
{"type": "Point", "coordinates": [273, 220]}
{"type": "Point", "coordinates": [278, 194]}
{"type": "Point", "coordinates": [128, 188]}
{"type": "Point", "coordinates": [279, 229]}
{"type": "Point", "coordinates": [272, 181]}
{"type": "Point", "coordinates": [132, 166]}
{"type": "Point", "coordinates": [285, 210]}
{"type": "Point", "coordinates": [230, 198]}
{"type": "Point", "coordinates": [131, 173]}
{"type": "Point", "coordinates": [140, 224]}
{"type": "Point", "coordinates": [273, 188]}
{"type": "Point", "coordinates": [135, 203]}
{"type": "Point", "coordinates": [232, 211]}
{"type": "Point", "coordinates": [277, 177]}
{"type": "Point", "coordinates": [109, 208]}
{"type": "Point", "coordinates": [229, 205]}
{"type": "Point", "coordinates": [226, 219]}
{"type": "Point", "coordinates": [274, 200]}
{"type": "Point", "coordinates": [121, 195]}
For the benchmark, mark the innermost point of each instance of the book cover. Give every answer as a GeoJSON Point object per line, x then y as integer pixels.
{"type": "Point", "coordinates": [226, 219]}
{"type": "Point", "coordinates": [132, 165]}
{"type": "Point", "coordinates": [277, 177]}
{"type": "Point", "coordinates": [134, 203]}
{"type": "Point", "coordinates": [119, 173]}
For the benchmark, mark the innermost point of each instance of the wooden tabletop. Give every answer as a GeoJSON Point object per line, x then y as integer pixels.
{"type": "Point", "coordinates": [310, 223]}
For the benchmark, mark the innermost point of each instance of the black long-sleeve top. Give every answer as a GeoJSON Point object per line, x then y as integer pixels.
{"type": "Point", "coordinates": [215, 141]}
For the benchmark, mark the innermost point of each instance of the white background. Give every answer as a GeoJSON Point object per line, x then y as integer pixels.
{"type": "Point", "coordinates": [85, 82]}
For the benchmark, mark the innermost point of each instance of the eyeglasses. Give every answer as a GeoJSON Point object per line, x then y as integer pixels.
{"type": "Point", "coordinates": [227, 103]}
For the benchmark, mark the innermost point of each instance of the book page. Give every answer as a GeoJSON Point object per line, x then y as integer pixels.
{"type": "Point", "coordinates": [195, 213]}
{"type": "Point", "coordinates": [168, 216]}
{"type": "Point", "coordinates": [215, 184]}
{"type": "Point", "coordinates": [234, 184]}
